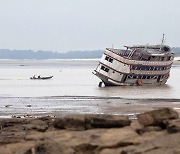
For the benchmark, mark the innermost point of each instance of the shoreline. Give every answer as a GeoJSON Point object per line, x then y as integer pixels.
{"type": "Point", "coordinates": [58, 106]}
{"type": "Point", "coordinates": [82, 97]}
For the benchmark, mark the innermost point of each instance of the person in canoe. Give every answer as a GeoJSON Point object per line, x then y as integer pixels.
{"type": "Point", "coordinates": [40, 77]}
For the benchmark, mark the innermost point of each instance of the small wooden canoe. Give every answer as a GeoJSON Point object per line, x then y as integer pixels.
{"type": "Point", "coordinates": [41, 78]}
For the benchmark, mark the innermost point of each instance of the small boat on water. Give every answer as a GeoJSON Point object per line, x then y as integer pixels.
{"type": "Point", "coordinates": [136, 65]}
{"type": "Point", "coordinates": [41, 78]}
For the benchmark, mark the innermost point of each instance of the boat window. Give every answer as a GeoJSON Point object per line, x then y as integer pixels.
{"type": "Point", "coordinates": [105, 68]}
{"type": "Point", "coordinates": [106, 58]}
{"type": "Point", "coordinates": [148, 77]}
{"type": "Point", "coordinates": [143, 77]}
{"type": "Point", "coordinates": [163, 68]}
{"type": "Point", "coordinates": [154, 77]}
{"type": "Point", "coordinates": [134, 77]}
{"type": "Point", "coordinates": [102, 67]}
{"type": "Point", "coordinates": [109, 59]}
{"type": "Point", "coordinates": [168, 67]}
{"type": "Point", "coordinates": [166, 49]}
{"type": "Point", "coordinates": [130, 76]}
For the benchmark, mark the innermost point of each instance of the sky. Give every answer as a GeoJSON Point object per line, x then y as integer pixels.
{"type": "Point", "coordinates": [71, 25]}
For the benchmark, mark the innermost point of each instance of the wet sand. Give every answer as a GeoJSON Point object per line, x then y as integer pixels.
{"type": "Point", "coordinates": [70, 105]}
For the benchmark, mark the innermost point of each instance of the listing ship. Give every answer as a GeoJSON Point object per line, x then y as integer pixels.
{"type": "Point", "coordinates": [136, 65]}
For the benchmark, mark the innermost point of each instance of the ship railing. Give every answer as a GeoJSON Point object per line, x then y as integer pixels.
{"type": "Point", "coordinates": [131, 53]}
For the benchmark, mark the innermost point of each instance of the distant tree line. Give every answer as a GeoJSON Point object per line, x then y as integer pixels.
{"type": "Point", "coordinates": [30, 54]}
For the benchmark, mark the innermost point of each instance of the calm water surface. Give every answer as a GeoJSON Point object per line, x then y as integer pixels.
{"type": "Point", "coordinates": [72, 78]}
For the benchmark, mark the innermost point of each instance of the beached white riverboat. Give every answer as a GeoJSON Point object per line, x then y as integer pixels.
{"type": "Point", "coordinates": [136, 65]}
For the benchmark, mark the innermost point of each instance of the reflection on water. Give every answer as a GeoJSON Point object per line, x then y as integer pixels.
{"type": "Point", "coordinates": [72, 78]}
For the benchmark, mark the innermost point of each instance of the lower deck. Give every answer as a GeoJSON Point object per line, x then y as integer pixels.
{"type": "Point", "coordinates": [133, 80]}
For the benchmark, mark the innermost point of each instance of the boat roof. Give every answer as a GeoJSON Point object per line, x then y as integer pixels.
{"type": "Point", "coordinates": [148, 49]}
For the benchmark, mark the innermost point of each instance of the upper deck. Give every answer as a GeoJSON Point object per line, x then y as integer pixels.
{"type": "Point", "coordinates": [145, 53]}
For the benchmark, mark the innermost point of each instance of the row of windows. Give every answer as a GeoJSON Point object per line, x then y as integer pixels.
{"type": "Point", "coordinates": [143, 77]}
{"type": "Point", "coordinates": [109, 59]}
{"type": "Point", "coordinates": [155, 58]}
{"type": "Point", "coordinates": [150, 67]}
{"type": "Point", "coordinates": [105, 68]}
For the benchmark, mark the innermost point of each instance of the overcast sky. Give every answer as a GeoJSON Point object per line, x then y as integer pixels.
{"type": "Point", "coordinates": [64, 25]}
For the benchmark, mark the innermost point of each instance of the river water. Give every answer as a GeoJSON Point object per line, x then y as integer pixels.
{"type": "Point", "coordinates": [73, 78]}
